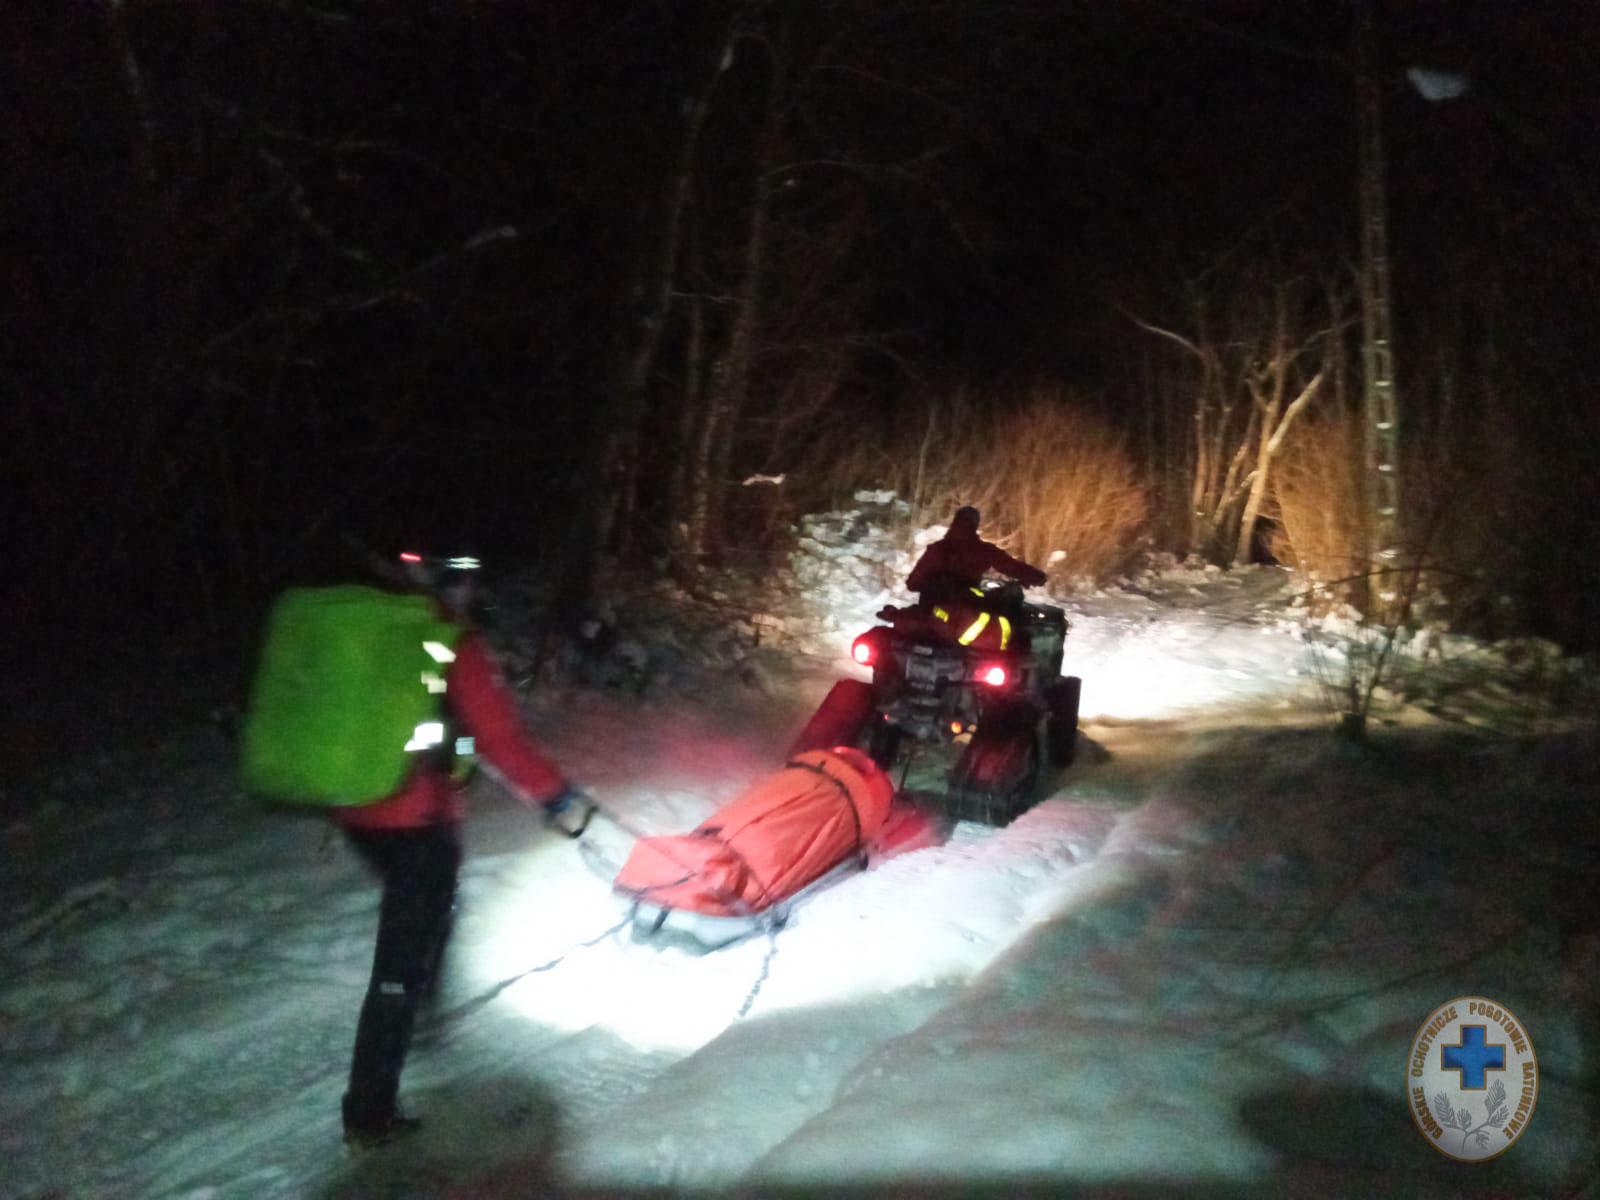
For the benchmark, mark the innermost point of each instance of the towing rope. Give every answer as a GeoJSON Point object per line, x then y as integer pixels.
{"type": "Point", "coordinates": [468, 1007]}
{"type": "Point", "coordinates": [439, 1021]}
{"type": "Point", "coordinates": [771, 921]}
{"type": "Point", "coordinates": [766, 966]}
{"type": "Point", "coordinates": [774, 918]}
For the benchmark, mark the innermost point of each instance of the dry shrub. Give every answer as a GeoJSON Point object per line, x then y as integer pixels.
{"type": "Point", "coordinates": [1316, 484]}
{"type": "Point", "coordinates": [1066, 482]}
{"type": "Point", "coordinates": [1047, 474]}
{"type": "Point", "coordinates": [1048, 477]}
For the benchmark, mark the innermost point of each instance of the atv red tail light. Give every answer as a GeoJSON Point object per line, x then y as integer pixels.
{"type": "Point", "coordinates": [994, 675]}
{"type": "Point", "coordinates": [407, 556]}
{"type": "Point", "coordinates": [864, 650]}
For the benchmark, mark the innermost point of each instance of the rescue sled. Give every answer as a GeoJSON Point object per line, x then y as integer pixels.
{"type": "Point", "coordinates": [743, 868]}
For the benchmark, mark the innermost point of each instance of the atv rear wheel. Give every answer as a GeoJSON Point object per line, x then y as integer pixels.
{"type": "Point", "coordinates": [1061, 719]}
{"type": "Point", "coordinates": [996, 777]}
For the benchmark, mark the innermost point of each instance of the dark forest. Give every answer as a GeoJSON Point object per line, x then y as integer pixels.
{"type": "Point", "coordinates": [554, 281]}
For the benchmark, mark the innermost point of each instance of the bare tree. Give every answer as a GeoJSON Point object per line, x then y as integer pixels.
{"type": "Point", "coordinates": [771, 325]}
{"type": "Point", "coordinates": [1268, 382]}
{"type": "Point", "coordinates": [724, 398]}
{"type": "Point", "coordinates": [614, 427]}
{"type": "Point", "coordinates": [1248, 382]}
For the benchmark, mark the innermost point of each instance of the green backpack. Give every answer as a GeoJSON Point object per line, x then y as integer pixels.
{"type": "Point", "coordinates": [348, 692]}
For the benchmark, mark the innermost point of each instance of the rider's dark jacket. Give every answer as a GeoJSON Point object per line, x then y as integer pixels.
{"type": "Point", "coordinates": [956, 563]}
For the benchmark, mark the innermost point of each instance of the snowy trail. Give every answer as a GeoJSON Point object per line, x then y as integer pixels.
{"type": "Point", "coordinates": [261, 963]}
{"type": "Point", "coordinates": [215, 978]}
{"type": "Point", "coordinates": [1216, 920]}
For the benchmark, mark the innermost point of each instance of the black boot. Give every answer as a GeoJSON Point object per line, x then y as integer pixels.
{"type": "Point", "coordinates": [363, 1130]}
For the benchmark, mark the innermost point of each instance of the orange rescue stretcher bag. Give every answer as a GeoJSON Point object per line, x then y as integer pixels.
{"type": "Point", "coordinates": [740, 870]}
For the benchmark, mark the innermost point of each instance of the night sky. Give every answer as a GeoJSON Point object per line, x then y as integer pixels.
{"type": "Point", "coordinates": [283, 275]}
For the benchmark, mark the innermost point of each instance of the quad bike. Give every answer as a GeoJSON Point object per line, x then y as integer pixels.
{"type": "Point", "coordinates": [1003, 699]}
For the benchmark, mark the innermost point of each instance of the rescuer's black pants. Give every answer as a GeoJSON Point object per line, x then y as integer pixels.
{"type": "Point", "coordinates": [418, 868]}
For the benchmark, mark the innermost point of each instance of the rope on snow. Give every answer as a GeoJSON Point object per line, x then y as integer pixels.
{"type": "Point", "coordinates": [468, 1007]}
{"type": "Point", "coordinates": [766, 966]}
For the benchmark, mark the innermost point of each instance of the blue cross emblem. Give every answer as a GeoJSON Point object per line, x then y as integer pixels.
{"type": "Point", "coordinates": [1473, 1056]}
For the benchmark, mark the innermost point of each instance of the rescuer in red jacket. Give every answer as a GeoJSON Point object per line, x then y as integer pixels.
{"type": "Point", "coordinates": [412, 840]}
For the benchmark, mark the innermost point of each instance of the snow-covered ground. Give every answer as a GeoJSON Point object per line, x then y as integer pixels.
{"type": "Point", "coordinates": [1194, 968]}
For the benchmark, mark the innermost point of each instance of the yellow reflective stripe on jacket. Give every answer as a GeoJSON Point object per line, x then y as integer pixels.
{"type": "Point", "coordinates": [972, 631]}
{"type": "Point", "coordinates": [942, 613]}
{"type": "Point", "coordinates": [975, 631]}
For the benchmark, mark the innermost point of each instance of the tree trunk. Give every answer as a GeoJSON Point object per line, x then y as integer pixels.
{"type": "Point", "coordinates": [733, 378]}
{"type": "Point", "coordinates": [617, 416]}
{"type": "Point", "coordinates": [730, 379]}
{"type": "Point", "coordinates": [685, 500]}
{"type": "Point", "coordinates": [1271, 442]}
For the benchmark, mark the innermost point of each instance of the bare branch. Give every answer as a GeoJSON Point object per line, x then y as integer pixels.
{"type": "Point", "coordinates": [1296, 406]}
{"type": "Point", "coordinates": [1166, 333]}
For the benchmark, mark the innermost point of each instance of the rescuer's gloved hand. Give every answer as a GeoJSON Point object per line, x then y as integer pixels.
{"type": "Point", "coordinates": [570, 810]}
{"type": "Point", "coordinates": [563, 800]}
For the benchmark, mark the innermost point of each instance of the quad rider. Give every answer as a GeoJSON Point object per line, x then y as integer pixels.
{"type": "Point", "coordinates": [950, 602]}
